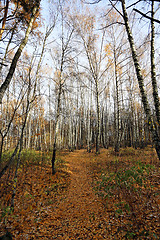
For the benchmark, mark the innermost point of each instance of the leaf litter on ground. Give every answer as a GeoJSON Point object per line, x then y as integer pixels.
{"type": "Point", "coordinates": [104, 196]}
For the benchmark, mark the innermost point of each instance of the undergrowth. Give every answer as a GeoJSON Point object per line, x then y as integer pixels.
{"type": "Point", "coordinates": [129, 188]}
{"type": "Point", "coordinates": [33, 157]}
{"type": "Point", "coordinates": [131, 179]}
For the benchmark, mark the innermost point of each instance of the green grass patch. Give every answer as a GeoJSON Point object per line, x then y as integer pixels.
{"type": "Point", "coordinates": [32, 157]}
{"type": "Point", "coordinates": [132, 178]}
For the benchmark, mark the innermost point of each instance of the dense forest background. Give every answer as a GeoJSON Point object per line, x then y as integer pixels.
{"type": "Point", "coordinates": [79, 75]}
{"type": "Point", "coordinates": [68, 77]}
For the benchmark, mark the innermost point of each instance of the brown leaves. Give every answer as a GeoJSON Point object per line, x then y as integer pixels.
{"type": "Point", "coordinates": [37, 193]}
{"type": "Point", "coordinates": [131, 199]}
{"type": "Point", "coordinates": [65, 206]}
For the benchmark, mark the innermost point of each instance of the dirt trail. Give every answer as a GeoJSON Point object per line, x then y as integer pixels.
{"type": "Point", "coordinates": [81, 213]}
{"type": "Point", "coordinates": [43, 211]}
{"type": "Point", "coordinates": [65, 206]}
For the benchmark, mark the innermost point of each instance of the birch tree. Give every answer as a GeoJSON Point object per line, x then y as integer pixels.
{"type": "Point", "coordinates": [153, 68]}
{"type": "Point", "coordinates": [95, 58]}
{"type": "Point", "coordinates": [17, 55]}
{"type": "Point", "coordinates": [145, 102]}
{"type": "Point", "coordinates": [63, 55]}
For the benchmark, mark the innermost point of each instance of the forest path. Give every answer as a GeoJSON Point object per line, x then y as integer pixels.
{"type": "Point", "coordinates": [80, 214]}
{"type": "Point", "coordinates": [62, 206]}
{"type": "Point", "coordinates": [65, 206]}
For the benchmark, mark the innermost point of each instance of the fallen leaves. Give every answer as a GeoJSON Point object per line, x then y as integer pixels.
{"type": "Point", "coordinates": [67, 206]}
{"type": "Point", "coordinates": [129, 190]}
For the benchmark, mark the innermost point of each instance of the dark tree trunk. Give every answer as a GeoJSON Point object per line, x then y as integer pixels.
{"type": "Point", "coordinates": [54, 159]}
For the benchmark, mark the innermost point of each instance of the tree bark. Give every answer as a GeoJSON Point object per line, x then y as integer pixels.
{"type": "Point", "coordinates": [21, 146]}
{"type": "Point", "coordinates": [117, 108]}
{"type": "Point", "coordinates": [17, 55]}
{"type": "Point", "coordinates": [4, 19]}
{"type": "Point", "coordinates": [153, 69]}
{"type": "Point", "coordinates": [146, 106]}
{"type": "Point", "coordinates": [98, 126]}
{"type": "Point", "coordinates": [56, 128]}
{"type": "Point", "coordinates": [6, 51]}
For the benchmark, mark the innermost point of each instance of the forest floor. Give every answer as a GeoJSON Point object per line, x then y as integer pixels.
{"type": "Point", "coordinates": [91, 196]}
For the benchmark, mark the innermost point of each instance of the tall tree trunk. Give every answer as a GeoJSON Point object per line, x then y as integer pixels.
{"type": "Point", "coordinates": [29, 132]}
{"type": "Point", "coordinates": [20, 142]}
{"type": "Point", "coordinates": [88, 131]}
{"type": "Point", "coordinates": [1, 146]}
{"type": "Point", "coordinates": [56, 127]}
{"type": "Point", "coordinates": [4, 135]}
{"type": "Point", "coordinates": [6, 51]}
{"type": "Point", "coordinates": [4, 19]}
{"type": "Point", "coordinates": [50, 122]}
{"type": "Point", "coordinates": [21, 147]}
{"type": "Point", "coordinates": [146, 106]}
{"type": "Point", "coordinates": [117, 114]}
{"type": "Point", "coordinates": [17, 55]}
{"type": "Point", "coordinates": [98, 125]}
{"type": "Point", "coordinates": [153, 69]}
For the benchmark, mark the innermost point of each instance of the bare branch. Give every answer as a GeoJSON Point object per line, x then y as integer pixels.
{"type": "Point", "coordinates": [133, 4]}
{"type": "Point", "coordinates": [114, 6]}
{"type": "Point", "coordinates": [109, 25]}
{"type": "Point", "coordinates": [146, 16]}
